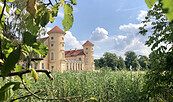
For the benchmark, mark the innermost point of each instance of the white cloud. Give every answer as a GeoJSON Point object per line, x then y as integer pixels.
{"type": "Point", "coordinates": [132, 40]}
{"type": "Point", "coordinates": [71, 42]}
{"type": "Point", "coordinates": [142, 15]}
{"type": "Point", "coordinates": [99, 34]}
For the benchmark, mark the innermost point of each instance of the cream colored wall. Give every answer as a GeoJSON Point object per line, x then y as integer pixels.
{"type": "Point", "coordinates": [58, 50]}
{"type": "Point", "coordinates": [89, 65]}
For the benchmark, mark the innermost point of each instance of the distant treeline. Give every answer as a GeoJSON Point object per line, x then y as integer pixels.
{"type": "Point", "coordinates": [131, 62]}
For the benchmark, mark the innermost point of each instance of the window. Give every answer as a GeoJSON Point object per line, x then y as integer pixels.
{"type": "Point", "coordinates": [79, 59]}
{"type": "Point", "coordinates": [86, 52]}
{"type": "Point", "coordinates": [51, 44]}
{"type": "Point", "coordinates": [62, 55]}
{"type": "Point", "coordinates": [86, 48]}
{"type": "Point", "coordinates": [52, 38]}
{"type": "Point", "coordinates": [62, 38]}
{"type": "Point", "coordinates": [52, 68]}
{"type": "Point", "coordinates": [62, 45]}
{"type": "Point", "coordinates": [35, 66]}
{"type": "Point", "coordinates": [52, 56]}
{"type": "Point", "coordinates": [42, 65]}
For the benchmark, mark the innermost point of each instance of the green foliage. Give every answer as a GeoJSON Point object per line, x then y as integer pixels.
{"type": "Point", "coordinates": [167, 7]}
{"type": "Point", "coordinates": [144, 62]}
{"type": "Point", "coordinates": [150, 3]}
{"type": "Point", "coordinates": [10, 62]}
{"type": "Point", "coordinates": [8, 90]}
{"type": "Point", "coordinates": [18, 36]}
{"type": "Point", "coordinates": [121, 63]}
{"type": "Point", "coordinates": [159, 79]}
{"type": "Point", "coordinates": [131, 60]}
{"type": "Point", "coordinates": [104, 86]}
{"type": "Point", "coordinates": [109, 60]}
{"type": "Point", "coordinates": [28, 38]}
{"type": "Point", "coordinates": [68, 17]}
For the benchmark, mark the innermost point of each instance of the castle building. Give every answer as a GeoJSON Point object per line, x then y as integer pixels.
{"type": "Point", "coordinates": [60, 60]}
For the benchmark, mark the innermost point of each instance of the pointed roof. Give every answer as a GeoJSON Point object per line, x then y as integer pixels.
{"type": "Point", "coordinates": [88, 43]}
{"type": "Point", "coordinates": [74, 53]}
{"type": "Point", "coordinates": [55, 29]}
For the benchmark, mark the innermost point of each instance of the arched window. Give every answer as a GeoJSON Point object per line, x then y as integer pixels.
{"type": "Point", "coordinates": [42, 65]}
{"type": "Point", "coordinates": [52, 56]}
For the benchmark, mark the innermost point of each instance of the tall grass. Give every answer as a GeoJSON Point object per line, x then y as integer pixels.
{"type": "Point", "coordinates": [105, 86]}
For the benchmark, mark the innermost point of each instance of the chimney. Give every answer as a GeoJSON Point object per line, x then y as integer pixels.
{"type": "Point", "coordinates": [70, 49]}
{"type": "Point", "coordinates": [75, 49]}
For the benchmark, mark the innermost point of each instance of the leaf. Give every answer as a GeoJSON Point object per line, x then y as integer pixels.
{"type": "Point", "coordinates": [10, 0]}
{"type": "Point", "coordinates": [10, 62]}
{"type": "Point", "coordinates": [150, 3]}
{"type": "Point", "coordinates": [1, 61]}
{"type": "Point", "coordinates": [51, 19]}
{"type": "Point", "coordinates": [6, 91]}
{"type": "Point", "coordinates": [45, 19]}
{"type": "Point", "coordinates": [68, 17]}
{"type": "Point", "coordinates": [55, 9]}
{"type": "Point", "coordinates": [16, 86]}
{"type": "Point", "coordinates": [168, 9]}
{"type": "Point", "coordinates": [62, 2]}
{"type": "Point", "coordinates": [40, 48]}
{"type": "Point", "coordinates": [34, 74]}
{"type": "Point", "coordinates": [93, 98]}
{"type": "Point", "coordinates": [18, 11]}
{"type": "Point", "coordinates": [31, 7]}
{"type": "Point", "coordinates": [73, 2]}
{"type": "Point", "coordinates": [7, 8]}
{"type": "Point", "coordinates": [31, 25]}
{"type": "Point", "coordinates": [18, 68]}
{"type": "Point", "coordinates": [29, 38]}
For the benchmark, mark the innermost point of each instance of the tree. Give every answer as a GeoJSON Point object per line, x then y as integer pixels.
{"type": "Point", "coordinates": [110, 60]}
{"type": "Point", "coordinates": [167, 7]}
{"type": "Point", "coordinates": [121, 63]}
{"type": "Point", "coordinates": [159, 79]}
{"type": "Point", "coordinates": [144, 62]}
{"type": "Point", "coordinates": [18, 37]}
{"type": "Point", "coordinates": [130, 60]}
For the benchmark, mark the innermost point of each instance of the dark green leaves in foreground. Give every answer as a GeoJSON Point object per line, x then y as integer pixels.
{"type": "Point", "coordinates": [29, 38]}
{"type": "Point", "coordinates": [68, 17]}
{"type": "Point", "coordinates": [167, 7]}
{"type": "Point", "coordinates": [7, 90]}
{"type": "Point", "coordinates": [10, 62]}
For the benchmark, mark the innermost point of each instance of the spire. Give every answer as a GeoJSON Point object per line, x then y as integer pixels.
{"type": "Point", "coordinates": [55, 29]}
{"type": "Point", "coordinates": [88, 43]}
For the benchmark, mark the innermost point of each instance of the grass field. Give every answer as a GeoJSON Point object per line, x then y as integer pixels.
{"type": "Point", "coordinates": [105, 86]}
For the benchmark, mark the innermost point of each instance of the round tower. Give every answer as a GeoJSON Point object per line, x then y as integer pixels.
{"type": "Point", "coordinates": [56, 49]}
{"type": "Point", "coordinates": [89, 55]}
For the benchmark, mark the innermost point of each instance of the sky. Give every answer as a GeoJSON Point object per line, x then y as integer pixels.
{"type": "Point", "coordinates": [111, 25]}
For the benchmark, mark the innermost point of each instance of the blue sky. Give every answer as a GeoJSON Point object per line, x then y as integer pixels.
{"type": "Point", "coordinates": [111, 25]}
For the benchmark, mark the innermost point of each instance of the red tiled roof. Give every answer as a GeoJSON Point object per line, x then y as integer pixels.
{"type": "Point", "coordinates": [42, 39]}
{"type": "Point", "coordinates": [74, 53]}
{"type": "Point", "coordinates": [88, 43]}
{"type": "Point", "coordinates": [56, 28]}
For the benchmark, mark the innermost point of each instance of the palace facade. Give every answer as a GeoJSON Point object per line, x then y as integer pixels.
{"type": "Point", "coordinates": [60, 60]}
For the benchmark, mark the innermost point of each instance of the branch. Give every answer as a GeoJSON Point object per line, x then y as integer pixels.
{"type": "Point", "coordinates": [50, 2]}
{"type": "Point", "coordinates": [3, 10]}
{"type": "Point", "coordinates": [25, 96]}
{"type": "Point", "coordinates": [60, 98]}
{"type": "Point", "coordinates": [47, 72]}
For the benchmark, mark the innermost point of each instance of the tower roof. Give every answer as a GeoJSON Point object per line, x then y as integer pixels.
{"type": "Point", "coordinates": [55, 29]}
{"type": "Point", "coordinates": [88, 43]}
